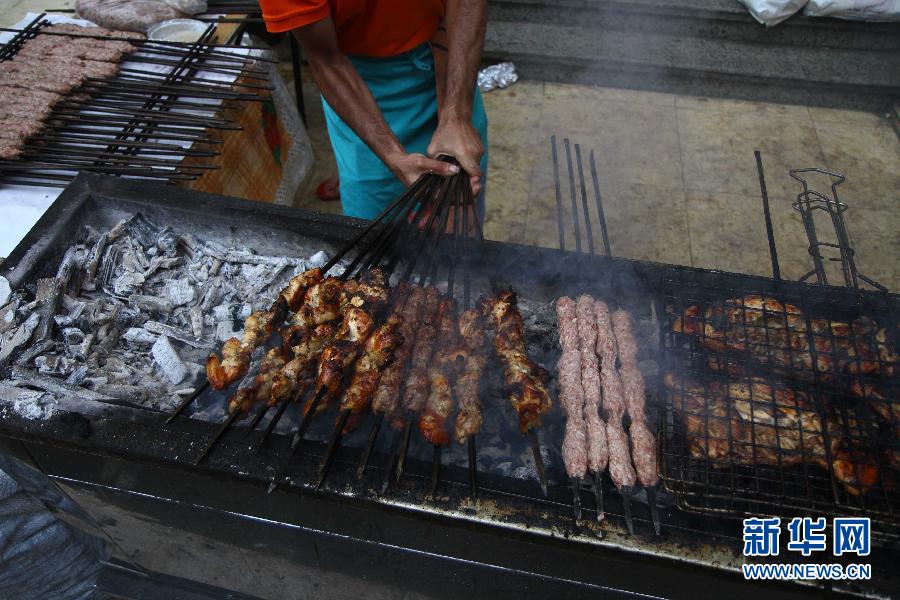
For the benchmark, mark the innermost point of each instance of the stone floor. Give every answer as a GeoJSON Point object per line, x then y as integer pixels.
{"type": "Point", "coordinates": [677, 174]}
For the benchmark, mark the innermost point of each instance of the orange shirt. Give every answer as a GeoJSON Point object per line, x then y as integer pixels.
{"type": "Point", "coordinates": [364, 27]}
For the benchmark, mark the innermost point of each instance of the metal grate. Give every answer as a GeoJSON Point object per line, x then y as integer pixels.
{"type": "Point", "coordinates": [780, 403]}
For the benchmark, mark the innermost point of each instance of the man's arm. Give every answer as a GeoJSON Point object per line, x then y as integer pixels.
{"type": "Point", "coordinates": [351, 99]}
{"type": "Point", "coordinates": [465, 22]}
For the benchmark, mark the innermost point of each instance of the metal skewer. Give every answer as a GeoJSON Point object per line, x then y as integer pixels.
{"type": "Point", "coordinates": [228, 422]}
{"type": "Point", "coordinates": [576, 494]}
{"type": "Point", "coordinates": [257, 418]}
{"type": "Point", "coordinates": [186, 402]}
{"type": "Point", "coordinates": [331, 450]}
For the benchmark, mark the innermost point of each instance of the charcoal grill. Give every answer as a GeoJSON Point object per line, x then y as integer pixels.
{"type": "Point", "coordinates": [507, 541]}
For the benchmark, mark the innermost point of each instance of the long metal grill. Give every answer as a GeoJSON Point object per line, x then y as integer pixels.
{"type": "Point", "coordinates": [169, 103]}
{"type": "Point", "coordinates": [783, 401]}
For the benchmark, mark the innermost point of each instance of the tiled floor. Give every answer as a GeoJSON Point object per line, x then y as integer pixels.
{"type": "Point", "coordinates": [678, 175]}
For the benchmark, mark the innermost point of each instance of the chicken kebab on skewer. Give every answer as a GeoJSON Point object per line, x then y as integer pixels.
{"type": "Point", "coordinates": [524, 380]}
{"type": "Point", "coordinates": [366, 301]}
{"type": "Point", "coordinates": [468, 384]}
{"type": "Point", "coordinates": [236, 353]}
{"type": "Point", "coordinates": [387, 395]}
{"type": "Point", "coordinates": [276, 377]}
{"type": "Point", "coordinates": [378, 352]}
{"type": "Point", "coordinates": [446, 362]}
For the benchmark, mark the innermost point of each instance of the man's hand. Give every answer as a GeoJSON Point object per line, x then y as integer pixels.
{"type": "Point", "coordinates": [409, 167]}
{"type": "Point", "coordinates": [457, 138]}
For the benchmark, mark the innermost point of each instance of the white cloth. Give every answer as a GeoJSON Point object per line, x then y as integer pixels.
{"type": "Point", "coordinates": [857, 10]}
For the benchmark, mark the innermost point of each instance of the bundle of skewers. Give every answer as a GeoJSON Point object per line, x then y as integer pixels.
{"type": "Point", "coordinates": [403, 351]}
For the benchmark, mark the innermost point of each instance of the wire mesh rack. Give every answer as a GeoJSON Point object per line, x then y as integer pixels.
{"type": "Point", "coordinates": [780, 403]}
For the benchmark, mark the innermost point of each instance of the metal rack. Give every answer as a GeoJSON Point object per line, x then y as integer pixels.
{"type": "Point", "coordinates": [136, 124]}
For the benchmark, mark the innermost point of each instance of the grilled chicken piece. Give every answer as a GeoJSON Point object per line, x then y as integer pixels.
{"type": "Point", "coordinates": [356, 326]}
{"type": "Point", "coordinates": [235, 361]}
{"type": "Point", "coordinates": [387, 395]}
{"type": "Point", "coordinates": [523, 378]}
{"type": "Point", "coordinates": [783, 337]}
{"type": "Point", "coordinates": [776, 427]}
{"type": "Point", "coordinates": [295, 291]}
{"type": "Point", "coordinates": [468, 384]}
{"type": "Point", "coordinates": [341, 352]}
{"type": "Point", "coordinates": [246, 397]}
{"type": "Point", "coordinates": [299, 372]}
{"type": "Point", "coordinates": [321, 303]}
{"type": "Point", "coordinates": [378, 351]}
{"type": "Point", "coordinates": [445, 365]}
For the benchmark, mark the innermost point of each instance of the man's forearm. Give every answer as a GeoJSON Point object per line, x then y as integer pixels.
{"type": "Point", "coordinates": [465, 21]}
{"type": "Point", "coordinates": [346, 92]}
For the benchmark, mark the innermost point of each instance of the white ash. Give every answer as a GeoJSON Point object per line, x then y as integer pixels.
{"type": "Point", "coordinates": [30, 404]}
{"type": "Point", "coordinates": [5, 291]}
{"type": "Point", "coordinates": [132, 315]}
{"type": "Point", "coordinates": [168, 361]}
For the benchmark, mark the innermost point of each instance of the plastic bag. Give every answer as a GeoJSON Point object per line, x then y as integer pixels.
{"type": "Point", "coordinates": [188, 7]}
{"type": "Point", "coordinates": [772, 12]}
{"type": "Point", "coordinates": [857, 10]}
{"type": "Point", "coordinates": [126, 15]}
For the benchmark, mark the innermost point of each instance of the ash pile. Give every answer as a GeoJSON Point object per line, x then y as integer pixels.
{"type": "Point", "coordinates": [129, 318]}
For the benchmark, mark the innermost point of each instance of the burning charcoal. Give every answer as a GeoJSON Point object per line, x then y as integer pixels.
{"type": "Point", "coordinates": [316, 260]}
{"type": "Point", "coordinates": [139, 335]}
{"type": "Point", "coordinates": [127, 284]}
{"type": "Point", "coordinates": [93, 262]}
{"type": "Point", "coordinates": [30, 404]}
{"type": "Point", "coordinates": [13, 340]}
{"type": "Point", "coordinates": [73, 338]}
{"type": "Point", "coordinates": [8, 315]}
{"type": "Point", "coordinates": [36, 350]}
{"type": "Point", "coordinates": [168, 360]}
{"type": "Point", "coordinates": [167, 242]}
{"type": "Point", "coordinates": [179, 292]}
{"type": "Point", "coordinates": [175, 333]}
{"type": "Point", "coordinates": [142, 230]}
{"type": "Point", "coordinates": [5, 291]}
{"type": "Point", "coordinates": [77, 376]}
{"type": "Point", "coordinates": [150, 304]}
{"type": "Point", "coordinates": [85, 348]}
{"type": "Point", "coordinates": [47, 297]}
{"type": "Point", "coordinates": [225, 330]}
{"type": "Point", "coordinates": [74, 311]}
{"type": "Point", "coordinates": [196, 321]}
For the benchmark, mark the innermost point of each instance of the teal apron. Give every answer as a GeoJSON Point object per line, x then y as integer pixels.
{"type": "Point", "coordinates": [403, 87]}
